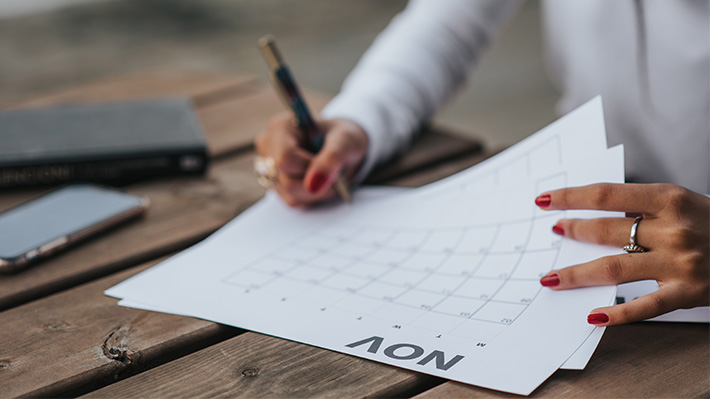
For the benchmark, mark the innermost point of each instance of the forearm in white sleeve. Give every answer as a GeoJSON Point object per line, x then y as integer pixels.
{"type": "Point", "coordinates": [412, 68]}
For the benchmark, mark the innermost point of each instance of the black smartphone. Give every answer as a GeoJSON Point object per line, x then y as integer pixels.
{"type": "Point", "coordinates": [47, 224]}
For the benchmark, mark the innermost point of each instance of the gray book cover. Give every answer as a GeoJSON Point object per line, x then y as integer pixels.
{"type": "Point", "coordinates": [100, 142]}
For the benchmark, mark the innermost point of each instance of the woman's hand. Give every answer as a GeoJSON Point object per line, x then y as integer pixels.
{"type": "Point", "coordinates": [303, 178]}
{"type": "Point", "coordinates": [675, 231]}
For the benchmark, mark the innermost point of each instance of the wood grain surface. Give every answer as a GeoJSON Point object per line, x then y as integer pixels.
{"type": "Point", "coordinates": [640, 360]}
{"type": "Point", "coordinates": [252, 365]}
{"type": "Point", "coordinates": [256, 365]}
{"type": "Point", "coordinates": [79, 339]}
{"type": "Point", "coordinates": [85, 340]}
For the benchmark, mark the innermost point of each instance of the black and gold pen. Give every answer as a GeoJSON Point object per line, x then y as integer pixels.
{"type": "Point", "coordinates": [291, 95]}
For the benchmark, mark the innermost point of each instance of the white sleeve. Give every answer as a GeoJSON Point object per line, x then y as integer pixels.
{"type": "Point", "coordinates": [412, 68]}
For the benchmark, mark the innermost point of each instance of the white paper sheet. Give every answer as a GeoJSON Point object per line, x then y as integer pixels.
{"type": "Point", "coordinates": [577, 361]}
{"type": "Point", "coordinates": [577, 135]}
{"type": "Point", "coordinates": [441, 284]}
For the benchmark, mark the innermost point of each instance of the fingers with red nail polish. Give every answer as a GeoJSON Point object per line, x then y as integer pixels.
{"type": "Point", "coordinates": [598, 318]}
{"type": "Point", "coordinates": [674, 233]}
{"type": "Point", "coordinates": [343, 151]}
{"type": "Point", "coordinates": [543, 201]}
{"type": "Point", "coordinates": [551, 280]}
{"type": "Point", "coordinates": [305, 179]}
{"type": "Point", "coordinates": [317, 182]}
{"type": "Point", "coordinates": [558, 229]}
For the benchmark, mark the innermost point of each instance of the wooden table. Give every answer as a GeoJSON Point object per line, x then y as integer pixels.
{"type": "Point", "coordinates": [61, 336]}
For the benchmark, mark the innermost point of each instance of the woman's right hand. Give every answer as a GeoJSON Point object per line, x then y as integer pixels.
{"type": "Point", "coordinates": [303, 178]}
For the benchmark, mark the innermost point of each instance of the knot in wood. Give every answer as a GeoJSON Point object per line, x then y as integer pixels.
{"type": "Point", "coordinates": [120, 354]}
{"type": "Point", "coordinates": [56, 325]}
{"type": "Point", "coordinates": [115, 347]}
{"type": "Point", "coordinates": [252, 372]}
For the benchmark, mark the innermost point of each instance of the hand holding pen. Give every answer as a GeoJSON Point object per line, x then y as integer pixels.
{"type": "Point", "coordinates": [306, 161]}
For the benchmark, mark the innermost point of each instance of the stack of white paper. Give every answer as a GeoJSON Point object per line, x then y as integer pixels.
{"type": "Point", "coordinates": [443, 279]}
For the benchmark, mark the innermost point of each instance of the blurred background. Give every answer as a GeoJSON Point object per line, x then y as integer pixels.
{"type": "Point", "coordinates": [50, 45]}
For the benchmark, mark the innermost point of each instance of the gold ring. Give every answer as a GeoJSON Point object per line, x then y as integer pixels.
{"type": "Point", "coordinates": [265, 168]}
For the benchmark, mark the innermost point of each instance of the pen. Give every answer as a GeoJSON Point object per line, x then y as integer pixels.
{"type": "Point", "coordinates": [291, 95]}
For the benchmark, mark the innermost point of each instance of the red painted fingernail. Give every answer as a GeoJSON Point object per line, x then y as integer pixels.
{"type": "Point", "coordinates": [558, 229]}
{"type": "Point", "coordinates": [543, 201]}
{"type": "Point", "coordinates": [317, 182]}
{"type": "Point", "coordinates": [551, 280]}
{"type": "Point", "coordinates": [597, 318]}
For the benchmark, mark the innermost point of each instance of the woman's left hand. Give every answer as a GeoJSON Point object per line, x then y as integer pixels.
{"type": "Point", "coordinates": [675, 231]}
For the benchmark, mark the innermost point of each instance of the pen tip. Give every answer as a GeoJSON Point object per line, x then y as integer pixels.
{"type": "Point", "coordinates": [341, 187]}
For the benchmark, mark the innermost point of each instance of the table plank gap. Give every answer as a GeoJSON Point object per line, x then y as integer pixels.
{"type": "Point", "coordinates": [409, 388]}
{"type": "Point", "coordinates": [259, 366]}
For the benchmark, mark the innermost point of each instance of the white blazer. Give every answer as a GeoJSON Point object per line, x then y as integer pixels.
{"type": "Point", "coordinates": [649, 59]}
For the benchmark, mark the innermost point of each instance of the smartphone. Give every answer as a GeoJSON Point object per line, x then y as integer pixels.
{"type": "Point", "coordinates": [50, 223]}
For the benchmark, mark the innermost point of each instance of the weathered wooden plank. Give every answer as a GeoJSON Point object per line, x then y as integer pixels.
{"type": "Point", "coordinates": [638, 360]}
{"type": "Point", "coordinates": [252, 365]}
{"type": "Point", "coordinates": [201, 87]}
{"type": "Point", "coordinates": [80, 339]}
{"type": "Point", "coordinates": [438, 171]}
{"type": "Point", "coordinates": [641, 360]}
{"type": "Point", "coordinates": [183, 211]}
{"type": "Point", "coordinates": [283, 368]}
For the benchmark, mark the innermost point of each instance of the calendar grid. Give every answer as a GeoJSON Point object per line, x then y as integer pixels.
{"type": "Point", "coordinates": [376, 264]}
{"type": "Point", "coordinates": [467, 279]}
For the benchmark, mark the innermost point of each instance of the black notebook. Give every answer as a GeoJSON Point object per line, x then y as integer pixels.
{"type": "Point", "coordinates": [110, 143]}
